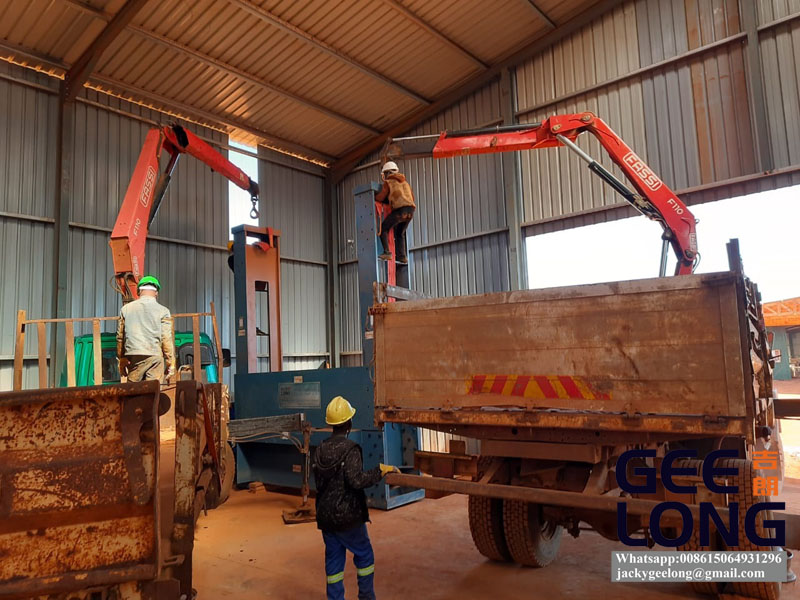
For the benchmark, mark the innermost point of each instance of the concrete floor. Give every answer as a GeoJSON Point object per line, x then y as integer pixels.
{"type": "Point", "coordinates": [423, 551]}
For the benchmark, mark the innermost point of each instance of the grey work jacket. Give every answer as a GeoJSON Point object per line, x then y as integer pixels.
{"type": "Point", "coordinates": [145, 329]}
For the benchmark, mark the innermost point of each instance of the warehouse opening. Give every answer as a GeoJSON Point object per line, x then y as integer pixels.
{"type": "Point", "coordinates": [630, 248]}
{"type": "Point", "coordinates": [238, 199]}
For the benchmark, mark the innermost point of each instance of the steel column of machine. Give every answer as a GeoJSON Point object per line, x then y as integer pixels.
{"type": "Point", "coordinates": [275, 460]}
{"type": "Point", "coordinates": [256, 269]}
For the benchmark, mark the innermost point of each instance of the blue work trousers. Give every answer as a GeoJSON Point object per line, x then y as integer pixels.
{"type": "Point", "coordinates": [337, 544]}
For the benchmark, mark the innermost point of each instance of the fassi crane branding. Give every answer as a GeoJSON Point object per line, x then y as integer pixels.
{"type": "Point", "coordinates": [762, 486]}
{"type": "Point", "coordinates": [644, 172]}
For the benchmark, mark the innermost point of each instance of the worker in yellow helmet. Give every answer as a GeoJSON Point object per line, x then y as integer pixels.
{"type": "Point", "coordinates": [342, 513]}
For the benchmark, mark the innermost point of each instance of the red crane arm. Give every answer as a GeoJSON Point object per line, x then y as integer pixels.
{"type": "Point", "coordinates": [146, 191]}
{"type": "Point", "coordinates": [652, 197]}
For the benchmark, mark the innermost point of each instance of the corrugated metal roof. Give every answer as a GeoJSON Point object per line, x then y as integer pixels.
{"type": "Point", "coordinates": [323, 75]}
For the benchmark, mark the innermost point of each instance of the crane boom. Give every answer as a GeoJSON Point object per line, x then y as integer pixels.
{"type": "Point", "coordinates": [650, 196]}
{"type": "Point", "coordinates": [146, 190]}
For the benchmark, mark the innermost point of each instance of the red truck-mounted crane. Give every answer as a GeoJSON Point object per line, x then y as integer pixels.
{"type": "Point", "coordinates": [651, 197]}
{"type": "Point", "coordinates": [146, 190]}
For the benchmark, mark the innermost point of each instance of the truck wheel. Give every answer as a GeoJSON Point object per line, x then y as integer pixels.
{"type": "Point", "coordinates": [532, 540]}
{"type": "Point", "coordinates": [712, 588]}
{"type": "Point", "coordinates": [745, 498]}
{"type": "Point", "coordinates": [228, 461]}
{"type": "Point", "coordinates": [486, 527]}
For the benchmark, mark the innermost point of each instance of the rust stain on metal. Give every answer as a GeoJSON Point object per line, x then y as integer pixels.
{"type": "Point", "coordinates": [56, 550]}
{"type": "Point", "coordinates": [77, 497]}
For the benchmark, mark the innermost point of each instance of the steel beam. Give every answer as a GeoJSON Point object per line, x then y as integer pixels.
{"type": "Point", "coordinates": [83, 67]}
{"type": "Point", "coordinates": [634, 506]}
{"type": "Point", "coordinates": [755, 85]}
{"type": "Point", "coordinates": [226, 68]}
{"type": "Point", "coordinates": [510, 162]}
{"type": "Point", "coordinates": [65, 138]}
{"type": "Point", "coordinates": [189, 112]}
{"type": "Point", "coordinates": [414, 18]}
{"type": "Point", "coordinates": [541, 14]}
{"type": "Point", "coordinates": [306, 37]}
{"type": "Point", "coordinates": [334, 325]}
{"type": "Point", "coordinates": [343, 166]}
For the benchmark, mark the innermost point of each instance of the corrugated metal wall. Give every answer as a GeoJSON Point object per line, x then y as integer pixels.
{"type": "Point", "coordinates": [458, 240]}
{"type": "Point", "coordinates": [292, 200]}
{"type": "Point", "coordinates": [187, 246]}
{"type": "Point", "coordinates": [780, 58]}
{"type": "Point", "coordinates": [670, 77]}
{"type": "Point", "coordinates": [28, 117]}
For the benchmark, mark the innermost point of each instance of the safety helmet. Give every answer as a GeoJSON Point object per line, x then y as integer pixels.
{"type": "Point", "coordinates": [390, 166]}
{"type": "Point", "coordinates": [339, 411]}
{"type": "Point", "coordinates": [149, 280]}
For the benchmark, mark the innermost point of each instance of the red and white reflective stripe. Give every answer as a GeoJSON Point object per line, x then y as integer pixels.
{"type": "Point", "coordinates": [551, 387]}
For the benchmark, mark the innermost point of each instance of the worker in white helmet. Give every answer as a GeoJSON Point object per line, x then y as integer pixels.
{"type": "Point", "coordinates": [396, 192]}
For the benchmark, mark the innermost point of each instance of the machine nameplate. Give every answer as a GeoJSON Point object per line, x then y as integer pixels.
{"type": "Point", "coordinates": [300, 395]}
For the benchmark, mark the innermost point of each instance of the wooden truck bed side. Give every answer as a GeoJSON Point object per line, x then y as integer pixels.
{"type": "Point", "coordinates": [662, 355]}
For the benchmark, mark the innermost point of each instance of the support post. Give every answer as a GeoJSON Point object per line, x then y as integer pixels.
{"type": "Point", "coordinates": [755, 86]}
{"type": "Point", "coordinates": [369, 268]}
{"type": "Point", "coordinates": [518, 278]}
{"type": "Point", "coordinates": [334, 323]}
{"type": "Point", "coordinates": [19, 350]}
{"type": "Point", "coordinates": [64, 169]}
{"type": "Point", "coordinates": [256, 268]}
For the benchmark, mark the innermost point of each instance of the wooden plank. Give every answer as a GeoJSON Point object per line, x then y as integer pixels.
{"type": "Point", "coordinates": [645, 347]}
{"type": "Point", "coordinates": [464, 422]}
{"type": "Point", "coordinates": [645, 397]}
{"type": "Point", "coordinates": [97, 352]}
{"type": "Point", "coordinates": [71, 320]}
{"type": "Point", "coordinates": [19, 350]}
{"type": "Point", "coordinates": [732, 352]}
{"type": "Point", "coordinates": [41, 339]}
{"type": "Point", "coordinates": [217, 342]}
{"type": "Point", "coordinates": [248, 428]}
{"type": "Point", "coordinates": [690, 363]}
{"type": "Point", "coordinates": [568, 293]}
{"type": "Point", "coordinates": [196, 367]}
{"type": "Point", "coordinates": [70, 343]}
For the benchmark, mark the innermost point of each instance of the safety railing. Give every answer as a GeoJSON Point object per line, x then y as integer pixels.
{"type": "Point", "coordinates": [24, 324]}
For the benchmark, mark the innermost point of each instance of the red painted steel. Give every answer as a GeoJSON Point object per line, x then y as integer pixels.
{"type": "Point", "coordinates": [147, 186]}
{"type": "Point", "coordinates": [655, 199]}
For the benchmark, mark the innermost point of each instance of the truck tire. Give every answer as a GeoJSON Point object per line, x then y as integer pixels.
{"type": "Point", "coordinates": [486, 527]}
{"type": "Point", "coordinates": [761, 590]}
{"type": "Point", "coordinates": [228, 461]}
{"type": "Point", "coordinates": [711, 588]}
{"type": "Point", "coordinates": [532, 541]}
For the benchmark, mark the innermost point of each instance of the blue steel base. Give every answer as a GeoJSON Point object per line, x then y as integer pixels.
{"type": "Point", "coordinates": [277, 462]}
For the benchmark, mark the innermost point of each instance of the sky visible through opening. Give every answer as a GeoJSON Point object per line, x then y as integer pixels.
{"type": "Point", "coordinates": [766, 224]}
{"type": "Point", "coordinates": [239, 200]}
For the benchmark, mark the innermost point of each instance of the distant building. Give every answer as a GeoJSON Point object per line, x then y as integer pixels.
{"type": "Point", "coordinates": [782, 319]}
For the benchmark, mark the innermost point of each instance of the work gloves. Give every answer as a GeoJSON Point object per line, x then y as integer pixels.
{"type": "Point", "coordinates": [386, 469]}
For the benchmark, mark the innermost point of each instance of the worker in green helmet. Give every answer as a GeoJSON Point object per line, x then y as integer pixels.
{"type": "Point", "coordinates": [145, 342]}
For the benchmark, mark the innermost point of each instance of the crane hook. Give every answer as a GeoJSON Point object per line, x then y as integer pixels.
{"type": "Point", "coordinates": [254, 210]}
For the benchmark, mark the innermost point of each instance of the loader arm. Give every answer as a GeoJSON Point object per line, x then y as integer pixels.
{"type": "Point", "coordinates": [146, 190]}
{"type": "Point", "coordinates": [650, 196]}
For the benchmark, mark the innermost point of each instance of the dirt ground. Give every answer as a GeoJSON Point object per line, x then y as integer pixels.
{"type": "Point", "coordinates": [423, 551]}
